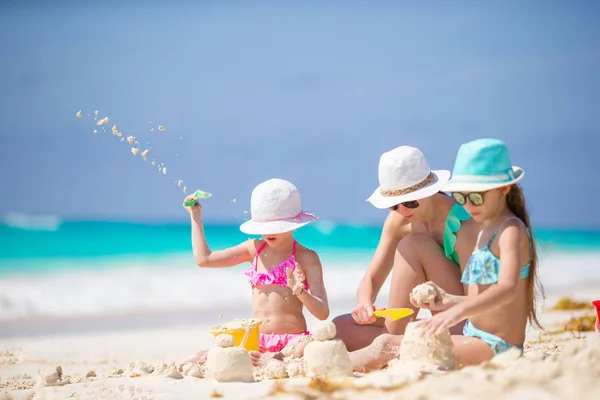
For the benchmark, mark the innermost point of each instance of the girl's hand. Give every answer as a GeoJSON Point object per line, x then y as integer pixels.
{"type": "Point", "coordinates": [442, 321]}
{"type": "Point", "coordinates": [363, 314]}
{"type": "Point", "coordinates": [440, 302]}
{"type": "Point", "coordinates": [195, 210]}
{"type": "Point", "coordinates": [295, 280]}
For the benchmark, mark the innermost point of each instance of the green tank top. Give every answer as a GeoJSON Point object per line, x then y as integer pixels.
{"type": "Point", "coordinates": [456, 216]}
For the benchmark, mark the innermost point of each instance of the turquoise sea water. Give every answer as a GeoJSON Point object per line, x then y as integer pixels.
{"type": "Point", "coordinates": [97, 239]}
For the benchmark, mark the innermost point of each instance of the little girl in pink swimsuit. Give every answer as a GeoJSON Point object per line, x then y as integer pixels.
{"type": "Point", "coordinates": [284, 275]}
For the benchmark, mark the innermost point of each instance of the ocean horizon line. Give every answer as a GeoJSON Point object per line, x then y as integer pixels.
{"type": "Point", "coordinates": [17, 219]}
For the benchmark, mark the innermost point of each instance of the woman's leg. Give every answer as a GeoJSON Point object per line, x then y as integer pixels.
{"type": "Point", "coordinates": [467, 350]}
{"type": "Point", "coordinates": [419, 259]}
{"type": "Point", "coordinates": [356, 336]}
{"type": "Point", "coordinates": [376, 355]}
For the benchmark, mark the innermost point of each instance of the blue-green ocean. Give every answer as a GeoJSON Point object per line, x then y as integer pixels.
{"type": "Point", "coordinates": [50, 267]}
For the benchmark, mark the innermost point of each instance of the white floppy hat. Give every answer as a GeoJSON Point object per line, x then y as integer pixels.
{"type": "Point", "coordinates": [404, 175]}
{"type": "Point", "coordinates": [275, 207]}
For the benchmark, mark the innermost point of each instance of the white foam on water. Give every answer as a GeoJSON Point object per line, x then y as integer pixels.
{"type": "Point", "coordinates": [32, 222]}
{"type": "Point", "coordinates": [174, 283]}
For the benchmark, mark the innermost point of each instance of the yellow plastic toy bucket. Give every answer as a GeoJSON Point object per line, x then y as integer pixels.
{"type": "Point", "coordinates": [237, 329]}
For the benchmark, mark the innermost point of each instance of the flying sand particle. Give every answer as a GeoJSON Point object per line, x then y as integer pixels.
{"type": "Point", "coordinates": [185, 189]}
{"type": "Point", "coordinates": [164, 170]}
{"type": "Point", "coordinates": [102, 121]}
{"type": "Point", "coordinates": [96, 113]}
{"type": "Point", "coordinates": [161, 128]}
{"type": "Point", "coordinates": [234, 200]}
{"type": "Point", "coordinates": [153, 163]}
{"type": "Point", "coordinates": [79, 114]}
{"type": "Point", "coordinates": [130, 139]}
{"type": "Point", "coordinates": [144, 153]}
{"type": "Point", "coordinates": [116, 132]}
{"type": "Point", "coordinates": [134, 150]}
{"type": "Point", "coordinates": [179, 182]}
{"type": "Point", "coordinates": [95, 131]}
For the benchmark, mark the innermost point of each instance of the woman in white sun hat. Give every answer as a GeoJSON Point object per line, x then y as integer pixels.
{"type": "Point", "coordinates": [284, 275]}
{"type": "Point", "coordinates": [426, 237]}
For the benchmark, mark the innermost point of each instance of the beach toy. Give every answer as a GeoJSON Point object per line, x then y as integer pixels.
{"type": "Point", "coordinates": [199, 194]}
{"type": "Point", "coordinates": [243, 331]}
{"type": "Point", "coordinates": [393, 314]}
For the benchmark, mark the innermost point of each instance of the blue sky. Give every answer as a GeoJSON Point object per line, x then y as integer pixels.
{"type": "Point", "coordinates": [309, 91]}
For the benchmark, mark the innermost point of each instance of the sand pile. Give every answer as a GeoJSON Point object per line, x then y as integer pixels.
{"type": "Point", "coordinates": [227, 363]}
{"type": "Point", "coordinates": [424, 353]}
{"type": "Point", "coordinates": [573, 374]}
{"type": "Point", "coordinates": [325, 357]}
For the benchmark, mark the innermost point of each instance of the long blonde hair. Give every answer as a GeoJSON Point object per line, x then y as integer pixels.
{"type": "Point", "coordinates": [515, 200]}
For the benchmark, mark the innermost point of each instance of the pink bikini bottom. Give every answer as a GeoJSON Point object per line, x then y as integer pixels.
{"type": "Point", "coordinates": [275, 342]}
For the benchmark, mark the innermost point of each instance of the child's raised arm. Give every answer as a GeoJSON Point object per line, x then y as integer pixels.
{"type": "Point", "coordinates": [206, 258]}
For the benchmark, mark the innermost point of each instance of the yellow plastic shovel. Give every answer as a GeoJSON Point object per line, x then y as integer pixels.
{"type": "Point", "coordinates": [393, 313]}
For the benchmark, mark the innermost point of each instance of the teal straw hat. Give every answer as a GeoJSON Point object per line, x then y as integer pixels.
{"type": "Point", "coordinates": [481, 165]}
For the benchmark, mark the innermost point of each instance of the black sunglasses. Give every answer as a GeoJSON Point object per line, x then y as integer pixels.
{"type": "Point", "coordinates": [475, 198]}
{"type": "Point", "coordinates": [406, 204]}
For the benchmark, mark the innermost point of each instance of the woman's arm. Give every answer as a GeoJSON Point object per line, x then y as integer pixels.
{"type": "Point", "coordinates": [394, 229]}
{"type": "Point", "coordinates": [315, 301]}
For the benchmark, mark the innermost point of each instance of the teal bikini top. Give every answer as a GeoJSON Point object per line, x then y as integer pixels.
{"type": "Point", "coordinates": [483, 266]}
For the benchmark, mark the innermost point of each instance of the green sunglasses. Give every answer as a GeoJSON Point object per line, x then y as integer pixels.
{"type": "Point", "coordinates": [475, 198]}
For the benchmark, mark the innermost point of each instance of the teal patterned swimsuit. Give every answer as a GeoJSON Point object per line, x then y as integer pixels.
{"type": "Point", "coordinates": [483, 268]}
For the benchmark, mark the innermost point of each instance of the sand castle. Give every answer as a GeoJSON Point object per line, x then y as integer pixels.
{"type": "Point", "coordinates": [325, 357]}
{"type": "Point", "coordinates": [226, 363]}
{"type": "Point", "coordinates": [424, 353]}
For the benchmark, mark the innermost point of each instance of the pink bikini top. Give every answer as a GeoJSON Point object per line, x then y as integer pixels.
{"type": "Point", "coordinates": [277, 275]}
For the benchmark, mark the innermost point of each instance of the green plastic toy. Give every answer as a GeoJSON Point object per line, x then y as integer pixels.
{"type": "Point", "coordinates": [198, 194]}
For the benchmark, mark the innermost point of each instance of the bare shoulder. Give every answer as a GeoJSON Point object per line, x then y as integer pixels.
{"type": "Point", "coordinates": [513, 229]}
{"type": "Point", "coordinates": [253, 245]}
{"type": "Point", "coordinates": [512, 237]}
{"type": "Point", "coordinates": [307, 257]}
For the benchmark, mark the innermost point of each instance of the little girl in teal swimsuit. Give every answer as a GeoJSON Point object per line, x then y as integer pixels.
{"type": "Point", "coordinates": [501, 272]}
{"type": "Point", "coordinates": [500, 275]}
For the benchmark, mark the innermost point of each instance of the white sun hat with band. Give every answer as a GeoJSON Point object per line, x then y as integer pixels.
{"type": "Point", "coordinates": [404, 175]}
{"type": "Point", "coordinates": [275, 207]}
{"type": "Point", "coordinates": [481, 165]}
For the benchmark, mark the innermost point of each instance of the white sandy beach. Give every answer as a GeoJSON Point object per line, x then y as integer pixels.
{"type": "Point", "coordinates": [541, 374]}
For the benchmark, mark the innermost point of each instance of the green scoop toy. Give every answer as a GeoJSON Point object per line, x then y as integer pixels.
{"type": "Point", "coordinates": [198, 194]}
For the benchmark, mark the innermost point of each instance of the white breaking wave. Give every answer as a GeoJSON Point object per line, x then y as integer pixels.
{"type": "Point", "coordinates": [32, 222]}
{"type": "Point", "coordinates": [174, 283]}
